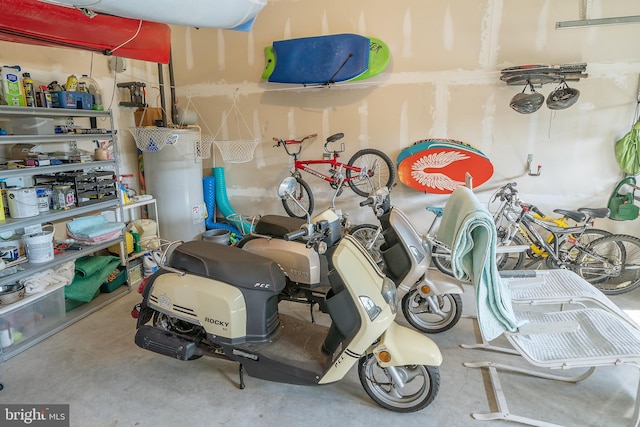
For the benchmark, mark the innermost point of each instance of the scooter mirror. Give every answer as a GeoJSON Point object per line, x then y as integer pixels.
{"type": "Point", "coordinates": [287, 186]}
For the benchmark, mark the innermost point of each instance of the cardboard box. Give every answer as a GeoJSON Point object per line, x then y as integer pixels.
{"type": "Point", "coordinates": [21, 151]}
{"type": "Point", "coordinates": [147, 116]}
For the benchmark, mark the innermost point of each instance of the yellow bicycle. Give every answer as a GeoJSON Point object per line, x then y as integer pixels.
{"type": "Point", "coordinates": [572, 227]}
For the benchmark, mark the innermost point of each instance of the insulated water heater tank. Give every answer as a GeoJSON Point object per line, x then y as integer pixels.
{"type": "Point", "coordinates": [176, 183]}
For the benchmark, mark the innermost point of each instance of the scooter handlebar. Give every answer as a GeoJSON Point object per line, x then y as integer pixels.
{"type": "Point", "coordinates": [295, 234]}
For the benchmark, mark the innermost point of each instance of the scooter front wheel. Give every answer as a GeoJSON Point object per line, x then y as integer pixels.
{"type": "Point", "coordinates": [408, 388]}
{"type": "Point", "coordinates": [433, 314]}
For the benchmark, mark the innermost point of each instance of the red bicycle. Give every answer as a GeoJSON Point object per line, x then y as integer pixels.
{"type": "Point", "coordinates": [368, 167]}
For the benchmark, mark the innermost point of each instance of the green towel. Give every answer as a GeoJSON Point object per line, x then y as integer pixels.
{"type": "Point", "coordinates": [468, 228]}
{"type": "Point", "coordinates": [88, 265]}
{"type": "Point", "coordinates": [84, 288]}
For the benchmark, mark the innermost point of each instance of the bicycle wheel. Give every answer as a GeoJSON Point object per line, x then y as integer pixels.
{"type": "Point", "coordinates": [611, 263]}
{"type": "Point", "coordinates": [568, 250]}
{"type": "Point", "coordinates": [303, 196]}
{"type": "Point", "coordinates": [441, 258]}
{"type": "Point", "coordinates": [365, 233]}
{"type": "Point", "coordinates": [379, 168]}
{"type": "Point", "coordinates": [511, 260]}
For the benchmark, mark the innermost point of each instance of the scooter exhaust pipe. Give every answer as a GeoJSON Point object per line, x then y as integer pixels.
{"type": "Point", "coordinates": [165, 342]}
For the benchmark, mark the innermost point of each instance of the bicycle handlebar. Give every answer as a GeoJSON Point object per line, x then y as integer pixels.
{"type": "Point", "coordinates": [369, 201]}
{"type": "Point", "coordinates": [502, 192]}
{"type": "Point", "coordinates": [293, 141]}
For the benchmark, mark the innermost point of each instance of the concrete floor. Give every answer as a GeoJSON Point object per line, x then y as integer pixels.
{"type": "Point", "coordinates": [95, 367]}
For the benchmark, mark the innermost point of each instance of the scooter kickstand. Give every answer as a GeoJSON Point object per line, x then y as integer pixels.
{"type": "Point", "coordinates": [241, 372]}
{"type": "Point", "coordinates": [313, 320]}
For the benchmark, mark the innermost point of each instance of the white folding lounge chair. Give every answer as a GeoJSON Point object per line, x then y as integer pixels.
{"type": "Point", "coordinates": [580, 338]}
{"type": "Point", "coordinates": [558, 287]}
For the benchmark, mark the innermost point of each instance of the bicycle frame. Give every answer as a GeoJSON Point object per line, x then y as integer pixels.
{"type": "Point", "coordinates": [557, 227]}
{"type": "Point", "coordinates": [550, 247]}
{"type": "Point", "coordinates": [337, 166]}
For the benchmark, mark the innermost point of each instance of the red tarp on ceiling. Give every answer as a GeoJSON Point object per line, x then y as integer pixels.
{"type": "Point", "coordinates": [43, 24]}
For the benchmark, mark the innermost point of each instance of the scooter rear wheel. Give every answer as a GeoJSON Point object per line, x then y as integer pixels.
{"type": "Point", "coordinates": [421, 385]}
{"type": "Point", "coordinates": [420, 314]}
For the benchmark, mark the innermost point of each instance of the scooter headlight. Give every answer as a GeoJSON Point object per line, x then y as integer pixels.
{"type": "Point", "coordinates": [390, 294]}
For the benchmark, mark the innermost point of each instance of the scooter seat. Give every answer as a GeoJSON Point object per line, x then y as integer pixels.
{"type": "Point", "coordinates": [278, 225]}
{"type": "Point", "coordinates": [230, 265]}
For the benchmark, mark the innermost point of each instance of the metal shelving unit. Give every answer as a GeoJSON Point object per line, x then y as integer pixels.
{"type": "Point", "coordinates": [50, 302]}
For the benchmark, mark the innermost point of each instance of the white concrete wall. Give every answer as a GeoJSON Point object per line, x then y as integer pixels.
{"type": "Point", "coordinates": [443, 81]}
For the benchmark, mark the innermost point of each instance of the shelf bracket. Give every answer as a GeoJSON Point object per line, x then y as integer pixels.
{"type": "Point", "coordinates": [529, 163]}
{"type": "Point", "coordinates": [584, 12]}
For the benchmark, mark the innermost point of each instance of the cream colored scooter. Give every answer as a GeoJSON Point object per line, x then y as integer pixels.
{"type": "Point", "coordinates": [432, 301]}
{"type": "Point", "coordinates": [214, 300]}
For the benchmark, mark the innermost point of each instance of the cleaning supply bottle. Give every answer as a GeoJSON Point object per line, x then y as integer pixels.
{"type": "Point", "coordinates": [11, 85]}
{"type": "Point", "coordinates": [92, 87]}
{"type": "Point", "coordinates": [29, 90]}
{"type": "Point", "coordinates": [72, 83]}
{"type": "Point", "coordinates": [44, 97]}
{"type": "Point", "coordinates": [149, 265]}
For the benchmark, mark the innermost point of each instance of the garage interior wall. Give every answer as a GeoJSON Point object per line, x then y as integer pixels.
{"type": "Point", "coordinates": [442, 82]}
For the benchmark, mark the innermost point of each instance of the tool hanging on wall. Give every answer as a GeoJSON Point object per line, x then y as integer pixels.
{"type": "Point", "coordinates": [137, 94]}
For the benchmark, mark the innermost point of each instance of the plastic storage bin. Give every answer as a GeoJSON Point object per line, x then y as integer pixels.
{"type": "Point", "coordinates": [32, 319]}
{"type": "Point", "coordinates": [33, 126]}
{"type": "Point", "coordinates": [77, 100]}
{"type": "Point", "coordinates": [119, 280]}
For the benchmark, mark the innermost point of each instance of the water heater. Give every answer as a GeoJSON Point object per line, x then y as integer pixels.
{"type": "Point", "coordinates": [176, 183]}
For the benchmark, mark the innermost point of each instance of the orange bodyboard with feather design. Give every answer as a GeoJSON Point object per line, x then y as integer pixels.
{"type": "Point", "coordinates": [439, 166]}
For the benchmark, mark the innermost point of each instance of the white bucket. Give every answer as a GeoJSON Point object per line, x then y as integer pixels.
{"type": "Point", "coordinates": [40, 245]}
{"type": "Point", "coordinates": [23, 202]}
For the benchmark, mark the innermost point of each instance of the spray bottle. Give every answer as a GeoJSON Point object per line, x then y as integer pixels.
{"type": "Point", "coordinates": [29, 90]}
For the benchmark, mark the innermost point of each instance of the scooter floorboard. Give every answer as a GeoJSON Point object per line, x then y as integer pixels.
{"type": "Point", "coordinates": [298, 343]}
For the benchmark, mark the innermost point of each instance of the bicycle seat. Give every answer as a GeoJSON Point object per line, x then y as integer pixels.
{"type": "Point", "coordinates": [335, 137]}
{"type": "Point", "coordinates": [436, 210]}
{"type": "Point", "coordinates": [596, 213]}
{"type": "Point", "coordinates": [574, 215]}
